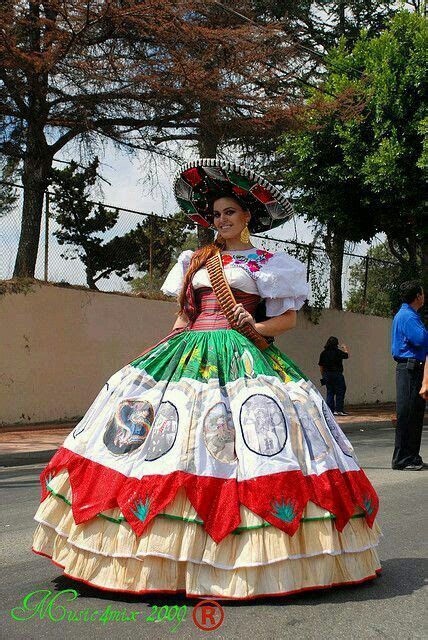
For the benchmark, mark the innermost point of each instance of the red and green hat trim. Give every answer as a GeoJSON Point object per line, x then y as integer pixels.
{"type": "Point", "coordinates": [199, 180]}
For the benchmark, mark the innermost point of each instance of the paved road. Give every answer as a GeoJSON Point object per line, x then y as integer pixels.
{"type": "Point", "coordinates": [390, 607]}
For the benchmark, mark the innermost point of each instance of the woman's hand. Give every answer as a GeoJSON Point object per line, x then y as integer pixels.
{"type": "Point", "coordinates": [242, 316]}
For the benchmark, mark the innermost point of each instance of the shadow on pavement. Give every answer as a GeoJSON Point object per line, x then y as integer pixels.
{"type": "Point", "coordinates": [400, 576]}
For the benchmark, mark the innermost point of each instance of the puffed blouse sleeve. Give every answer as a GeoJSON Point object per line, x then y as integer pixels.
{"type": "Point", "coordinates": [175, 278]}
{"type": "Point", "coordinates": [281, 281]}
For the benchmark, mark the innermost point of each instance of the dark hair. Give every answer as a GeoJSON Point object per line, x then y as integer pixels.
{"type": "Point", "coordinates": [332, 343]}
{"type": "Point", "coordinates": [225, 193]}
{"type": "Point", "coordinates": [409, 290]}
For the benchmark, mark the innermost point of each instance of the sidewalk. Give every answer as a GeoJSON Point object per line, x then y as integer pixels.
{"type": "Point", "coordinates": [31, 444]}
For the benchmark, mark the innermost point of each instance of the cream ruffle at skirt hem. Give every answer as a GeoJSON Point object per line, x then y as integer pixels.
{"type": "Point", "coordinates": [174, 554]}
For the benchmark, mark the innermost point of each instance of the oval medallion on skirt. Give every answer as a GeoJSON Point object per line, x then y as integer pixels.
{"type": "Point", "coordinates": [129, 427]}
{"type": "Point", "coordinates": [219, 433]}
{"type": "Point", "coordinates": [263, 425]}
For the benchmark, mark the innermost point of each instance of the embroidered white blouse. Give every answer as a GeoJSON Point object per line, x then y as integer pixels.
{"type": "Point", "coordinates": [278, 278]}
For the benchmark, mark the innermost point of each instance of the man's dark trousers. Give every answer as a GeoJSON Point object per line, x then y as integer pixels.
{"type": "Point", "coordinates": [410, 416]}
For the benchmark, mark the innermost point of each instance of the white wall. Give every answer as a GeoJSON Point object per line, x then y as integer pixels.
{"type": "Point", "coordinates": [59, 345]}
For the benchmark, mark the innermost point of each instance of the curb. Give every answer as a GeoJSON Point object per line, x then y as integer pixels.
{"type": "Point", "coordinates": [21, 458]}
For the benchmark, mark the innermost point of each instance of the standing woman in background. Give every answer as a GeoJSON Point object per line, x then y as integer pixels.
{"type": "Point", "coordinates": [331, 367]}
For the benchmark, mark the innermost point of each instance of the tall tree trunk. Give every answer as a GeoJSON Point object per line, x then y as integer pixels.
{"type": "Point", "coordinates": [90, 278]}
{"type": "Point", "coordinates": [207, 149]}
{"type": "Point", "coordinates": [37, 165]}
{"type": "Point", "coordinates": [334, 243]}
{"type": "Point", "coordinates": [209, 138]}
{"type": "Point", "coordinates": [207, 145]}
{"type": "Point", "coordinates": [341, 26]}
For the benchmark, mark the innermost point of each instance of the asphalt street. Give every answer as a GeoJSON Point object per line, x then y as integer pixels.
{"type": "Point", "coordinates": [392, 606]}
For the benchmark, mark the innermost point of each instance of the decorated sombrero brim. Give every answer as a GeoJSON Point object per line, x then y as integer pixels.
{"type": "Point", "coordinates": [201, 179]}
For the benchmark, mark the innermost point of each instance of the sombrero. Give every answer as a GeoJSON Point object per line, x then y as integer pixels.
{"type": "Point", "coordinates": [200, 179]}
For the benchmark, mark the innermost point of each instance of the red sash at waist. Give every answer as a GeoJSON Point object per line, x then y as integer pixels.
{"type": "Point", "coordinates": [209, 313]}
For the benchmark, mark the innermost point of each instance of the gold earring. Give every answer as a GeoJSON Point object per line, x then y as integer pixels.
{"type": "Point", "coordinates": [245, 234]}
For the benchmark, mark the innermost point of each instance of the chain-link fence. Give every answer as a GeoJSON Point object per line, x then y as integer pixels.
{"type": "Point", "coordinates": [61, 263]}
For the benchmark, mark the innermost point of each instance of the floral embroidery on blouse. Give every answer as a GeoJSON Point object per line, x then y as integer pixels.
{"type": "Point", "coordinates": [250, 261]}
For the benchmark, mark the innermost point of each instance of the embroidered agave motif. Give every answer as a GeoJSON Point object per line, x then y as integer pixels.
{"type": "Point", "coordinates": [285, 511]}
{"type": "Point", "coordinates": [368, 505]}
{"type": "Point", "coordinates": [141, 509]}
{"type": "Point", "coordinates": [48, 479]}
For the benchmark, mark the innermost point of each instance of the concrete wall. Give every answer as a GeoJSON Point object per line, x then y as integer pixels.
{"type": "Point", "coordinates": [59, 345]}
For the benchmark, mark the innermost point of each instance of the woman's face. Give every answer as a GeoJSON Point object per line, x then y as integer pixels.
{"type": "Point", "coordinates": [229, 217]}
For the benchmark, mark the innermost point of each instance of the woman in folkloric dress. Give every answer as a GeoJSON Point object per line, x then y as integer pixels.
{"type": "Point", "coordinates": [207, 465]}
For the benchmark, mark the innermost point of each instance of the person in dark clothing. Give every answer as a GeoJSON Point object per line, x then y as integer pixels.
{"type": "Point", "coordinates": [331, 367]}
{"type": "Point", "coordinates": [409, 348]}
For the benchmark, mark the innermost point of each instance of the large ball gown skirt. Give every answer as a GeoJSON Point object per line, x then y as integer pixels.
{"type": "Point", "coordinates": [208, 467]}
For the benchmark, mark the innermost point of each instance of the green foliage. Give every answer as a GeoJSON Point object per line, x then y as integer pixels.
{"type": "Point", "coordinates": [383, 279]}
{"type": "Point", "coordinates": [384, 147]}
{"type": "Point", "coordinates": [151, 243]}
{"type": "Point", "coordinates": [81, 220]}
{"type": "Point", "coordinates": [356, 165]}
{"type": "Point", "coordinates": [160, 238]}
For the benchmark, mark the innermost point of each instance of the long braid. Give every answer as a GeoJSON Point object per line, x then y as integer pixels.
{"type": "Point", "coordinates": [198, 260]}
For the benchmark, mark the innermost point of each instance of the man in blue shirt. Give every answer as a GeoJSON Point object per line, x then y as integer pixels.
{"type": "Point", "coordinates": [409, 349]}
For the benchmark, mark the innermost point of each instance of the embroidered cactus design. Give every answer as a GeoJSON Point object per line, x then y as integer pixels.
{"type": "Point", "coordinates": [368, 505]}
{"type": "Point", "coordinates": [48, 479]}
{"type": "Point", "coordinates": [286, 511]}
{"type": "Point", "coordinates": [141, 509]}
